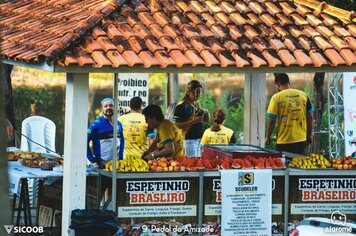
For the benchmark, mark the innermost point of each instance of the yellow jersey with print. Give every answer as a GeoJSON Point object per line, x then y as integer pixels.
{"type": "Point", "coordinates": [290, 107]}
{"type": "Point", "coordinates": [168, 132]}
{"type": "Point", "coordinates": [135, 133]}
{"type": "Point", "coordinates": [223, 136]}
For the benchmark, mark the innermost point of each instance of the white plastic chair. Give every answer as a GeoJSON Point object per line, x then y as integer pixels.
{"type": "Point", "coordinates": [38, 135]}
{"type": "Point", "coordinates": [41, 130]}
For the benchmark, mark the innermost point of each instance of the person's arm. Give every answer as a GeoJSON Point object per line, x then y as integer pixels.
{"type": "Point", "coordinates": [310, 123]}
{"type": "Point", "coordinates": [180, 118]}
{"type": "Point", "coordinates": [232, 139]}
{"type": "Point", "coordinates": [206, 116]}
{"type": "Point", "coordinates": [271, 122]}
{"type": "Point", "coordinates": [94, 158]}
{"type": "Point", "coordinates": [152, 148]}
{"type": "Point", "coordinates": [164, 152]}
{"type": "Point", "coordinates": [122, 142]}
{"type": "Point", "coordinates": [9, 130]}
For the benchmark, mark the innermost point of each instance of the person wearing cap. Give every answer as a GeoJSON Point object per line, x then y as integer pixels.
{"type": "Point", "coordinates": [100, 132]}
{"type": "Point", "coordinates": [189, 117]}
{"type": "Point", "coordinates": [292, 110]}
{"type": "Point", "coordinates": [135, 129]}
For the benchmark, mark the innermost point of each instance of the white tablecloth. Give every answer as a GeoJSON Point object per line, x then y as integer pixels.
{"type": "Point", "coordinates": [18, 171]}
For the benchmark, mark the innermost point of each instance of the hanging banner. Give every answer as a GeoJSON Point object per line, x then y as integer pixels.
{"type": "Point", "coordinates": [246, 202]}
{"type": "Point", "coordinates": [349, 91]}
{"type": "Point", "coordinates": [131, 85]}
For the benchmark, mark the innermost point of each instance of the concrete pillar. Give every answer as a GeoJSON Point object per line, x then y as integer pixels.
{"type": "Point", "coordinates": [255, 109]}
{"type": "Point", "coordinates": [75, 147]}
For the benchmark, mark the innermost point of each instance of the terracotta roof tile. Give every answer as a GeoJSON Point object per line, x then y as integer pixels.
{"type": "Point", "coordinates": [272, 58]}
{"type": "Point", "coordinates": [338, 43]}
{"type": "Point", "coordinates": [218, 31]}
{"type": "Point", "coordinates": [197, 7]}
{"type": "Point", "coordinates": [317, 58]}
{"type": "Point", "coordinates": [225, 58]}
{"type": "Point", "coordinates": [272, 8]}
{"type": "Point", "coordinates": [268, 19]}
{"type": "Point", "coordinates": [231, 45]}
{"type": "Point", "coordinates": [254, 18]}
{"type": "Point", "coordinates": [106, 44]}
{"type": "Point", "coordinates": [179, 58]}
{"type": "Point", "coordinates": [165, 33]}
{"type": "Point", "coordinates": [209, 58]}
{"type": "Point", "coordinates": [161, 18]}
{"type": "Point", "coordinates": [141, 30]}
{"type": "Point", "coordinates": [286, 8]}
{"type": "Point", "coordinates": [287, 58]}
{"type": "Point", "coordinates": [334, 57]}
{"type": "Point", "coordinates": [227, 7]}
{"type": "Point", "coordinates": [322, 43]}
{"type": "Point", "coordinates": [250, 32]}
{"type": "Point", "coordinates": [222, 18]}
{"type": "Point", "coordinates": [298, 19]}
{"type": "Point", "coordinates": [194, 58]}
{"type": "Point", "coordinates": [157, 31]}
{"type": "Point", "coordinates": [137, 45]}
{"type": "Point", "coordinates": [351, 42]}
{"type": "Point", "coordinates": [240, 58]}
{"type": "Point", "coordinates": [340, 31]}
{"type": "Point", "coordinates": [348, 56]}
{"type": "Point", "coordinates": [132, 58]}
{"type": "Point", "coordinates": [302, 58]}
{"type": "Point", "coordinates": [204, 31]}
{"type": "Point", "coordinates": [283, 19]}
{"type": "Point", "coordinates": [83, 57]}
{"type": "Point", "coordinates": [153, 44]}
{"type": "Point", "coordinates": [148, 59]}
{"type": "Point", "coordinates": [256, 58]}
{"type": "Point", "coordinates": [352, 29]}
{"type": "Point", "coordinates": [212, 7]}
{"type": "Point", "coordinates": [116, 59]}
{"type": "Point", "coordinates": [164, 59]}
{"type": "Point", "coordinates": [237, 19]}
{"type": "Point", "coordinates": [234, 32]}
{"type": "Point", "coordinates": [256, 7]}
{"type": "Point", "coordinates": [100, 59]}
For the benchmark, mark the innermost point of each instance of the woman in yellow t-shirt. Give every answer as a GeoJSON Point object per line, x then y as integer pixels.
{"type": "Point", "coordinates": [218, 133]}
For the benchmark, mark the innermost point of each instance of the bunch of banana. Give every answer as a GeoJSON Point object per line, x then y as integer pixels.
{"type": "Point", "coordinates": [314, 161]}
{"type": "Point", "coordinates": [130, 164]}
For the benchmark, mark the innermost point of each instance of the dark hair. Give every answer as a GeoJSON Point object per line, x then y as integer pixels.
{"type": "Point", "coordinates": [219, 117]}
{"type": "Point", "coordinates": [281, 78]}
{"type": "Point", "coordinates": [192, 85]}
{"type": "Point", "coordinates": [153, 111]}
{"type": "Point", "coordinates": [135, 103]}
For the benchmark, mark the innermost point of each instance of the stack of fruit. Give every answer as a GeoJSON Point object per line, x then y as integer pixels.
{"type": "Point", "coordinates": [165, 164]}
{"type": "Point", "coordinates": [130, 164]}
{"type": "Point", "coordinates": [344, 163]}
{"type": "Point", "coordinates": [314, 161]}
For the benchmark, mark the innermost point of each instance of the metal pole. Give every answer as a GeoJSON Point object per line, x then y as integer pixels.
{"type": "Point", "coordinates": [114, 153]}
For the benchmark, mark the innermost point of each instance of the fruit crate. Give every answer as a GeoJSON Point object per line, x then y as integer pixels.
{"type": "Point", "coordinates": [237, 151]}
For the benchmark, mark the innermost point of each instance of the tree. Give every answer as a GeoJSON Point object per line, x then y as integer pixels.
{"type": "Point", "coordinates": [319, 105]}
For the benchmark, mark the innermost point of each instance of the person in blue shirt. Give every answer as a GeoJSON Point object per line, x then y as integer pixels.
{"type": "Point", "coordinates": [100, 132]}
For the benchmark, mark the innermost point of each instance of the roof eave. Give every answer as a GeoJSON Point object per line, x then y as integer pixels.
{"type": "Point", "coordinates": [203, 69]}
{"type": "Point", "coordinates": [32, 65]}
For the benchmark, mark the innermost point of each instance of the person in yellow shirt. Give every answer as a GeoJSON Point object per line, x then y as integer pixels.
{"type": "Point", "coordinates": [218, 133]}
{"type": "Point", "coordinates": [135, 129]}
{"type": "Point", "coordinates": [294, 114]}
{"type": "Point", "coordinates": [168, 142]}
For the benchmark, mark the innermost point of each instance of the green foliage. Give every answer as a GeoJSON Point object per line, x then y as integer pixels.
{"type": "Point", "coordinates": [25, 96]}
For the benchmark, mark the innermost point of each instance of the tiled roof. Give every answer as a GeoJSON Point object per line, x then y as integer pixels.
{"type": "Point", "coordinates": [178, 33]}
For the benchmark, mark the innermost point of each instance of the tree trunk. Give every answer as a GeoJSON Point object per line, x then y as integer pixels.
{"type": "Point", "coordinates": [319, 105]}
{"type": "Point", "coordinates": [5, 213]}
{"type": "Point", "coordinates": [7, 88]}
